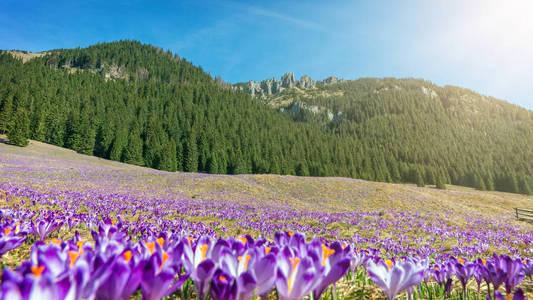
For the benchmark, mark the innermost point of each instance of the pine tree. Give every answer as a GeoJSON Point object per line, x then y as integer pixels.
{"type": "Point", "coordinates": [118, 146]}
{"type": "Point", "coordinates": [479, 183]}
{"type": "Point", "coordinates": [440, 183]}
{"type": "Point", "coordinates": [133, 153]}
{"type": "Point", "coordinates": [20, 129]}
{"type": "Point", "coordinates": [419, 179]}
{"type": "Point", "coordinates": [191, 154]}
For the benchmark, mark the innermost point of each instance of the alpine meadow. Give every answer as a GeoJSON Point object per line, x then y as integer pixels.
{"type": "Point", "coordinates": [168, 151]}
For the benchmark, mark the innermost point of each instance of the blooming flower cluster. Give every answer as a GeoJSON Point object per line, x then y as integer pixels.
{"type": "Point", "coordinates": [79, 231]}
{"type": "Point", "coordinates": [114, 266]}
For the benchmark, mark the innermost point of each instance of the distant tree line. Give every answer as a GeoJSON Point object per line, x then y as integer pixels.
{"type": "Point", "coordinates": [165, 113]}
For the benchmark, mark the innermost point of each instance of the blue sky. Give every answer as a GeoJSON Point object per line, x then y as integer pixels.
{"type": "Point", "coordinates": [483, 45]}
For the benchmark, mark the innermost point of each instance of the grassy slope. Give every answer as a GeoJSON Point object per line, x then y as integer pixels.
{"type": "Point", "coordinates": [69, 170]}
{"type": "Point", "coordinates": [308, 193]}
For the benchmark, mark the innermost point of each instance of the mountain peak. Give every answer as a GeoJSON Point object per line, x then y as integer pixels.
{"type": "Point", "coordinates": [272, 86]}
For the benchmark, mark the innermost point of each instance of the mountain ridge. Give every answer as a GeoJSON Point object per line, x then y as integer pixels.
{"type": "Point", "coordinates": [157, 109]}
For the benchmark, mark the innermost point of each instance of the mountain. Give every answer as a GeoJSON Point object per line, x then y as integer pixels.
{"type": "Point", "coordinates": [138, 104]}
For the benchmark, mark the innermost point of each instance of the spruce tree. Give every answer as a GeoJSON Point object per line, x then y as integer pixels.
{"type": "Point", "coordinates": [191, 154]}
{"type": "Point", "coordinates": [20, 128]}
{"type": "Point", "coordinates": [440, 183]}
{"type": "Point", "coordinates": [419, 179]}
{"type": "Point", "coordinates": [133, 153]}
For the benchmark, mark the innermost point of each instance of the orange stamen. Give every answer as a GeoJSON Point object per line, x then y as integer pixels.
{"type": "Point", "coordinates": [56, 241]}
{"type": "Point", "coordinates": [73, 257]}
{"type": "Point", "coordinates": [160, 241]}
{"type": "Point", "coordinates": [222, 278]}
{"type": "Point", "coordinates": [294, 263]}
{"type": "Point", "coordinates": [80, 244]}
{"type": "Point", "coordinates": [150, 246]}
{"type": "Point", "coordinates": [462, 260]}
{"type": "Point", "coordinates": [246, 259]}
{"type": "Point", "coordinates": [128, 255]}
{"type": "Point", "coordinates": [291, 234]}
{"type": "Point", "coordinates": [267, 250]}
{"type": "Point", "coordinates": [37, 271]}
{"type": "Point", "coordinates": [203, 250]}
{"type": "Point", "coordinates": [189, 239]}
{"type": "Point", "coordinates": [389, 263]}
{"type": "Point", "coordinates": [7, 230]}
{"type": "Point", "coordinates": [326, 252]}
{"type": "Point", "coordinates": [243, 240]}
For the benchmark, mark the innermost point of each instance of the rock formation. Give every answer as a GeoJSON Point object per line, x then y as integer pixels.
{"type": "Point", "coordinates": [272, 86]}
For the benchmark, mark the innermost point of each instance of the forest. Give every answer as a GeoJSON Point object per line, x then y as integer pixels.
{"type": "Point", "coordinates": [136, 103]}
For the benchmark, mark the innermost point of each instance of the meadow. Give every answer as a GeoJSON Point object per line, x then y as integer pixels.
{"type": "Point", "coordinates": [80, 227]}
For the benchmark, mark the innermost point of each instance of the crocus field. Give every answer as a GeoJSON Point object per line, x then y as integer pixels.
{"type": "Point", "coordinates": [80, 227]}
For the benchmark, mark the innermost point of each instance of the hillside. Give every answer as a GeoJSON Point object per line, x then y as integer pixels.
{"type": "Point", "coordinates": [136, 103]}
{"type": "Point", "coordinates": [251, 203]}
{"type": "Point", "coordinates": [467, 138]}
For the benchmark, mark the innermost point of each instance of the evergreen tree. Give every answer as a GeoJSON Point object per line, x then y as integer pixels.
{"type": "Point", "coordinates": [479, 183]}
{"type": "Point", "coordinates": [20, 129]}
{"type": "Point", "coordinates": [419, 179]}
{"type": "Point", "coordinates": [133, 153]}
{"type": "Point", "coordinates": [118, 146]}
{"type": "Point", "coordinates": [440, 183]}
{"type": "Point", "coordinates": [191, 154]}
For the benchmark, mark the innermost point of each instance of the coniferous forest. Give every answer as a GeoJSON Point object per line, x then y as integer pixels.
{"type": "Point", "coordinates": [138, 104]}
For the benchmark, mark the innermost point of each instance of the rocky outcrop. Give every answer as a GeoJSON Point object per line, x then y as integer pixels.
{"type": "Point", "coordinates": [287, 80]}
{"type": "Point", "coordinates": [332, 80]}
{"type": "Point", "coordinates": [306, 82]}
{"type": "Point", "coordinates": [272, 86]}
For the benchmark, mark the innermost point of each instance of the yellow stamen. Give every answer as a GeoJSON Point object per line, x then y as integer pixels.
{"type": "Point", "coordinates": [80, 244]}
{"type": "Point", "coordinates": [160, 241]}
{"type": "Point", "coordinates": [113, 222]}
{"type": "Point", "coordinates": [37, 271]}
{"type": "Point", "coordinates": [73, 257]}
{"type": "Point", "coordinates": [291, 234]}
{"type": "Point", "coordinates": [436, 268]}
{"type": "Point", "coordinates": [484, 261]}
{"type": "Point", "coordinates": [150, 246]}
{"type": "Point", "coordinates": [344, 246]}
{"type": "Point", "coordinates": [17, 227]}
{"type": "Point", "coordinates": [56, 241]}
{"type": "Point", "coordinates": [462, 260]}
{"type": "Point", "coordinates": [389, 263]}
{"type": "Point", "coordinates": [203, 250]}
{"type": "Point", "coordinates": [267, 250]}
{"type": "Point", "coordinates": [246, 259]}
{"type": "Point", "coordinates": [294, 262]}
{"type": "Point", "coordinates": [189, 239]}
{"type": "Point", "coordinates": [128, 255]}
{"type": "Point", "coordinates": [243, 240]}
{"type": "Point", "coordinates": [326, 252]}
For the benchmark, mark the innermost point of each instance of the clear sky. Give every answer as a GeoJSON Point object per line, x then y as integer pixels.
{"type": "Point", "coordinates": [483, 45]}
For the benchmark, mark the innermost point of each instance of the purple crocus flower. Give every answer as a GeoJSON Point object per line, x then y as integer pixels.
{"type": "Point", "coordinates": [121, 279]}
{"type": "Point", "coordinates": [223, 286]}
{"type": "Point", "coordinates": [464, 270]}
{"type": "Point", "coordinates": [158, 277]}
{"type": "Point", "coordinates": [43, 228]}
{"type": "Point", "coordinates": [264, 271]}
{"type": "Point", "coordinates": [528, 267]}
{"type": "Point", "coordinates": [518, 295]}
{"type": "Point", "coordinates": [295, 276]}
{"type": "Point", "coordinates": [10, 242]}
{"type": "Point", "coordinates": [332, 265]}
{"type": "Point", "coordinates": [394, 277]}
{"type": "Point", "coordinates": [515, 273]}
